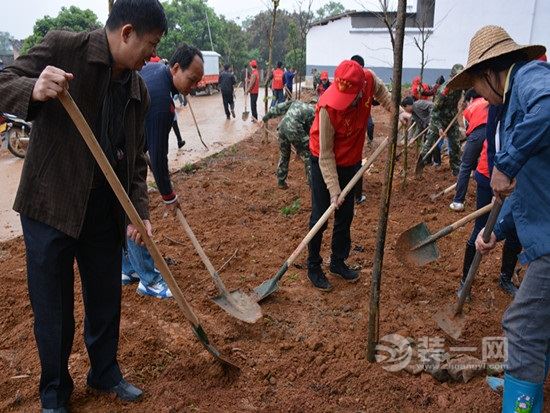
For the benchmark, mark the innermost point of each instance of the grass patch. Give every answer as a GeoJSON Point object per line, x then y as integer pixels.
{"type": "Point", "coordinates": [189, 168]}
{"type": "Point", "coordinates": [291, 209]}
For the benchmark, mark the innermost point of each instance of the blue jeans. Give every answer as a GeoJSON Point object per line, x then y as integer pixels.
{"type": "Point", "coordinates": [136, 259]}
{"type": "Point", "coordinates": [526, 322]}
{"type": "Point", "coordinates": [278, 97]}
{"type": "Point", "coordinates": [471, 153]}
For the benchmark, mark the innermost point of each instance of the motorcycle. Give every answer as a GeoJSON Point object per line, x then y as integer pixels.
{"type": "Point", "coordinates": [16, 132]}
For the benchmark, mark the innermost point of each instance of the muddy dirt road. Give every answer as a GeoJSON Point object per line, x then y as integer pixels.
{"type": "Point", "coordinates": [217, 132]}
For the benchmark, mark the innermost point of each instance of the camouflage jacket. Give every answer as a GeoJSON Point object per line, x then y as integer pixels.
{"type": "Point", "coordinates": [297, 120]}
{"type": "Point", "coordinates": [445, 106]}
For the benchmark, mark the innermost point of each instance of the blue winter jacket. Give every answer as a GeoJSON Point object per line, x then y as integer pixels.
{"type": "Point", "coordinates": [525, 156]}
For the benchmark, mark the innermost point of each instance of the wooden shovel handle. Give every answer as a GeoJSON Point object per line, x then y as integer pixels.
{"type": "Point", "coordinates": [213, 273]}
{"type": "Point", "coordinates": [491, 221]}
{"type": "Point", "coordinates": [84, 129]}
{"type": "Point", "coordinates": [441, 137]}
{"type": "Point", "coordinates": [470, 217]}
{"type": "Point", "coordinates": [332, 207]}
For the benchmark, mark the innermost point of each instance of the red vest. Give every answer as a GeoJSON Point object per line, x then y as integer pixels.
{"type": "Point", "coordinates": [476, 114]}
{"type": "Point", "coordinates": [483, 163]}
{"type": "Point", "coordinates": [349, 126]}
{"type": "Point", "coordinates": [277, 83]}
{"type": "Point", "coordinates": [417, 88]}
{"type": "Point", "coordinates": [255, 88]}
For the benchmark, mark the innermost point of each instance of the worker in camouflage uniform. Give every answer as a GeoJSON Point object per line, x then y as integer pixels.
{"type": "Point", "coordinates": [316, 77]}
{"type": "Point", "coordinates": [293, 130]}
{"type": "Point", "coordinates": [444, 110]}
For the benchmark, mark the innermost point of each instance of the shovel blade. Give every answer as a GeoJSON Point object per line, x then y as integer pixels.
{"type": "Point", "coordinates": [449, 322]}
{"type": "Point", "coordinates": [266, 288]}
{"type": "Point", "coordinates": [245, 115]}
{"type": "Point", "coordinates": [240, 306]}
{"type": "Point", "coordinates": [227, 363]}
{"type": "Point", "coordinates": [407, 241]}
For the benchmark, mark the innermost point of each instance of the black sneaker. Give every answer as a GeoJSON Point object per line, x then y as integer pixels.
{"type": "Point", "coordinates": [318, 279]}
{"type": "Point", "coordinates": [180, 144]}
{"type": "Point", "coordinates": [506, 284]}
{"type": "Point", "coordinates": [282, 185]}
{"type": "Point", "coordinates": [341, 268]}
{"type": "Point", "coordinates": [233, 112]}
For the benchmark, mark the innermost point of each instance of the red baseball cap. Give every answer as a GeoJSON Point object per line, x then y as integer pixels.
{"type": "Point", "coordinates": [253, 63]}
{"type": "Point", "coordinates": [324, 75]}
{"type": "Point", "coordinates": [349, 80]}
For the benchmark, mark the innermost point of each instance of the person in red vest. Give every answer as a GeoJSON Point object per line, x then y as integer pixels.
{"type": "Point", "coordinates": [336, 143]}
{"type": "Point", "coordinates": [277, 84]}
{"type": "Point", "coordinates": [253, 87]}
{"type": "Point", "coordinates": [324, 84]}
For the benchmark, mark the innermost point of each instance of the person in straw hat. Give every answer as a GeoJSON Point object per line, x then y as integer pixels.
{"type": "Point", "coordinates": [504, 72]}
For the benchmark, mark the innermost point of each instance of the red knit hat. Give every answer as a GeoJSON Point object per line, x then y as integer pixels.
{"type": "Point", "coordinates": [349, 80]}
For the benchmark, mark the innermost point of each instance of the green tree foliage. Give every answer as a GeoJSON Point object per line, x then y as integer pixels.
{"type": "Point", "coordinates": [332, 8]}
{"type": "Point", "coordinates": [71, 18]}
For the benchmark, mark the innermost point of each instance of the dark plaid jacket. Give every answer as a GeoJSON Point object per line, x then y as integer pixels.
{"type": "Point", "coordinates": [58, 170]}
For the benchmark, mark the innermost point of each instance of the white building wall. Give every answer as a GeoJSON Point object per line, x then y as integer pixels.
{"type": "Point", "coordinates": [455, 22]}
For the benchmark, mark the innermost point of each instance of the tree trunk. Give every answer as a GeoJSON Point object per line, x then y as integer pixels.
{"type": "Point", "coordinates": [374, 312]}
{"type": "Point", "coordinates": [271, 31]}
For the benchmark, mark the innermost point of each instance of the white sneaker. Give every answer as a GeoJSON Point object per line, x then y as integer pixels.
{"type": "Point", "coordinates": [158, 290]}
{"type": "Point", "coordinates": [457, 206]}
{"type": "Point", "coordinates": [129, 278]}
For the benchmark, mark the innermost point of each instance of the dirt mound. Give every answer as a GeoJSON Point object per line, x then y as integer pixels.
{"type": "Point", "coordinates": [308, 351]}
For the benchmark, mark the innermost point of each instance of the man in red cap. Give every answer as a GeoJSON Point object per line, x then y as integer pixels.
{"type": "Point", "coordinates": [324, 84]}
{"type": "Point", "coordinates": [336, 143]}
{"type": "Point", "coordinates": [253, 87]}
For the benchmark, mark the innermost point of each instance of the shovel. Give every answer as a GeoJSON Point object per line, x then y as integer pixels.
{"type": "Point", "coordinates": [268, 287]}
{"type": "Point", "coordinates": [452, 321]}
{"type": "Point", "coordinates": [422, 160]}
{"type": "Point", "coordinates": [84, 129]}
{"type": "Point", "coordinates": [196, 124]}
{"type": "Point", "coordinates": [433, 197]}
{"type": "Point", "coordinates": [246, 112]}
{"type": "Point", "coordinates": [411, 142]}
{"type": "Point", "coordinates": [236, 303]}
{"type": "Point", "coordinates": [416, 246]}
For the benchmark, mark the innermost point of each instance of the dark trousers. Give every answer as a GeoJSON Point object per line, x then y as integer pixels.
{"type": "Point", "coordinates": [50, 258]}
{"type": "Point", "coordinates": [253, 105]}
{"type": "Point", "coordinates": [228, 103]}
{"type": "Point", "coordinates": [157, 131]}
{"type": "Point", "coordinates": [320, 201]}
{"type": "Point", "coordinates": [472, 150]}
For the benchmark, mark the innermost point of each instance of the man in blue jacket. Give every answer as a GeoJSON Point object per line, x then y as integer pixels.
{"type": "Point", "coordinates": [184, 71]}
{"type": "Point", "coordinates": [504, 72]}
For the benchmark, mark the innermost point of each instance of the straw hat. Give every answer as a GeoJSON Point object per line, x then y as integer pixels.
{"type": "Point", "coordinates": [490, 42]}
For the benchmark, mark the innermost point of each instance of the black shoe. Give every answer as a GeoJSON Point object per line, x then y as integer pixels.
{"type": "Point", "coordinates": [228, 117]}
{"type": "Point", "coordinates": [459, 291]}
{"type": "Point", "coordinates": [360, 199]}
{"type": "Point", "coordinates": [506, 284]}
{"type": "Point", "coordinates": [318, 279]}
{"type": "Point", "coordinates": [342, 269]}
{"type": "Point", "coordinates": [233, 112]}
{"type": "Point", "coordinates": [282, 185]}
{"type": "Point", "coordinates": [61, 409]}
{"type": "Point", "coordinates": [180, 144]}
{"type": "Point", "coordinates": [124, 391]}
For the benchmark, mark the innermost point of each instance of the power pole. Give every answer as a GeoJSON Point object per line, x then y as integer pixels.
{"type": "Point", "coordinates": [208, 25]}
{"type": "Point", "coordinates": [374, 311]}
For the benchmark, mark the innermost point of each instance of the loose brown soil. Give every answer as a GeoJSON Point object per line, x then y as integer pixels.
{"type": "Point", "coordinates": [308, 351]}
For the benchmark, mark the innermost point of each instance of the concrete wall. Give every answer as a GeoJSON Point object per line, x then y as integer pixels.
{"type": "Point", "coordinates": [455, 22]}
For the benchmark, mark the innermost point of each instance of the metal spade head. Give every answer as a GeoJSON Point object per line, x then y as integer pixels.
{"type": "Point", "coordinates": [245, 114]}
{"type": "Point", "coordinates": [266, 288]}
{"type": "Point", "coordinates": [408, 240]}
{"type": "Point", "coordinates": [227, 364]}
{"type": "Point", "coordinates": [450, 322]}
{"type": "Point", "coordinates": [240, 306]}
